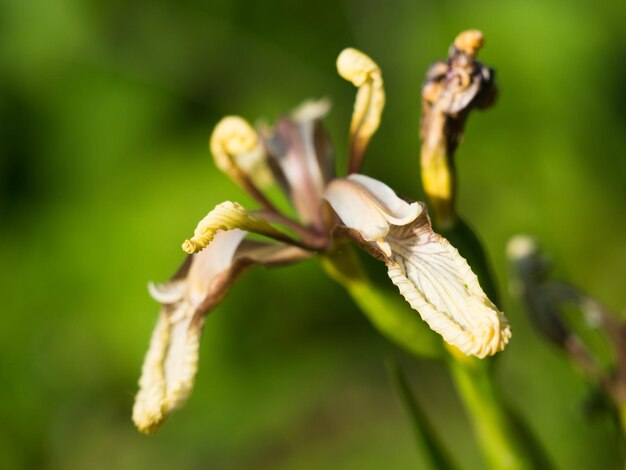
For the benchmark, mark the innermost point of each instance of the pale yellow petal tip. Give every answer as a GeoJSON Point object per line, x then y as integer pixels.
{"type": "Point", "coordinates": [487, 338]}
{"type": "Point", "coordinates": [312, 110]}
{"type": "Point", "coordinates": [521, 246]}
{"type": "Point", "coordinates": [470, 41]}
{"type": "Point", "coordinates": [234, 135]}
{"type": "Point", "coordinates": [493, 340]}
{"type": "Point", "coordinates": [191, 247]}
{"type": "Point", "coordinates": [147, 420]}
{"type": "Point", "coordinates": [237, 150]}
{"type": "Point", "coordinates": [227, 216]}
{"type": "Point", "coordinates": [355, 66]}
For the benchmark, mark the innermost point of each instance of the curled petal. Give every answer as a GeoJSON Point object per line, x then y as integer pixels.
{"type": "Point", "coordinates": [167, 293]}
{"type": "Point", "coordinates": [369, 206]}
{"type": "Point", "coordinates": [363, 73]}
{"type": "Point", "coordinates": [171, 363]}
{"type": "Point", "coordinates": [229, 216]}
{"type": "Point", "coordinates": [237, 151]}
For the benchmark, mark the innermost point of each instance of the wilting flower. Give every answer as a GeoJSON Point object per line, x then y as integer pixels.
{"type": "Point", "coordinates": [429, 272]}
{"type": "Point", "coordinates": [451, 90]}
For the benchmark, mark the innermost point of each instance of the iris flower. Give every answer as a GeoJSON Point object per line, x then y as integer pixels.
{"type": "Point", "coordinates": [296, 154]}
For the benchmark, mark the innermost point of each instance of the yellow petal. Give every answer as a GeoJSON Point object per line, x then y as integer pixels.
{"type": "Point", "coordinates": [228, 216]}
{"type": "Point", "coordinates": [237, 151]}
{"type": "Point", "coordinates": [469, 41]}
{"type": "Point", "coordinates": [168, 371]}
{"type": "Point", "coordinates": [363, 73]}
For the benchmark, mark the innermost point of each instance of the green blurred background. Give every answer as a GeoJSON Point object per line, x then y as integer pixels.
{"type": "Point", "coordinates": [106, 108]}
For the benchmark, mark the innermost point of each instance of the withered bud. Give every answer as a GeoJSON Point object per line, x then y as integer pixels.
{"type": "Point", "coordinates": [460, 83]}
{"type": "Point", "coordinates": [451, 90]}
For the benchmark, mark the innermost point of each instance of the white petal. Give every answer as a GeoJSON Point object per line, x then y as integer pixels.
{"type": "Point", "coordinates": [312, 110]}
{"type": "Point", "coordinates": [172, 360]}
{"type": "Point", "coordinates": [396, 210]}
{"type": "Point", "coordinates": [440, 285]}
{"type": "Point", "coordinates": [167, 292]}
{"type": "Point", "coordinates": [210, 262]}
{"type": "Point", "coordinates": [181, 361]}
{"type": "Point", "coordinates": [368, 205]}
{"type": "Point", "coordinates": [148, 411]}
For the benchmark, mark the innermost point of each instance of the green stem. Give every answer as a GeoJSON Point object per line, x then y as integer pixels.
{"type": "Point", "coordinates": [504, 441]}
{"type": "Point", "coordinates": [493, 429]}
{"type": "Point", "coordinates": [387, 311]}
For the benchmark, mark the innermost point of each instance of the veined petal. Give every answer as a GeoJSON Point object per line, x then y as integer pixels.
{"type": "Point", "coordinates": [238, 152]}
{"type": "Point", "coordinates": [369, 206]}
{"type": "Point", "coordinates": [437, 282]}
{"type": "Point", "coordinates": [429, 272]}
{"type": "Point", "coordinates": [365, 74]}
{"type": "Point", "coordinates": [171, 363]}
{"type": "Point", "coordinates": [229, 216]}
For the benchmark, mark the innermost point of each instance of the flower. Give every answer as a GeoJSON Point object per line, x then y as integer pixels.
{"type": "Point", "coordinates": [429, 273]}
{"type": "Point", "coordinates": [452, 89]}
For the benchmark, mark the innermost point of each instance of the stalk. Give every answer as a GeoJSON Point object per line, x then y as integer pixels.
{"type": "Point", "coordinates": [505, 444]}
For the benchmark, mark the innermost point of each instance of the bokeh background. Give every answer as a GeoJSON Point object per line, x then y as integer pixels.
{"type": "Point", "coordinates": [106, 108]}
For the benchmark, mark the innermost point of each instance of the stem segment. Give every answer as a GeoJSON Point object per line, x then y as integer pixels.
{"type": "Point", "coordinates": [505, 443]}
{"type": "Point", "coordinates": [493, 430]}
{"type": "Point", "coordinates": [387, 311]}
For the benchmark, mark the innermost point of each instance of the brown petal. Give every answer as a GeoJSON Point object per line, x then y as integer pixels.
{"type": "Point", "coordinates": [302, 159]}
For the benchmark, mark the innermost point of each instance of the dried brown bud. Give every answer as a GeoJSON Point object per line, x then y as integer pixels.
{"type": "Point", "coordinates": [451, 90]}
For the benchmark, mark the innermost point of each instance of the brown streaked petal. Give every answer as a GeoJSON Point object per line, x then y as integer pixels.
{"type": "Point", "coordinates": [171, 362]}
{"type": "Point", "coordinates": [364, 73]}
{"type": "Point", "coordinates": [302, 158]}
{"type": "Point", "coordinates": [311, 113]}
{"type": "Point", "coordinates": [368, 205]}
